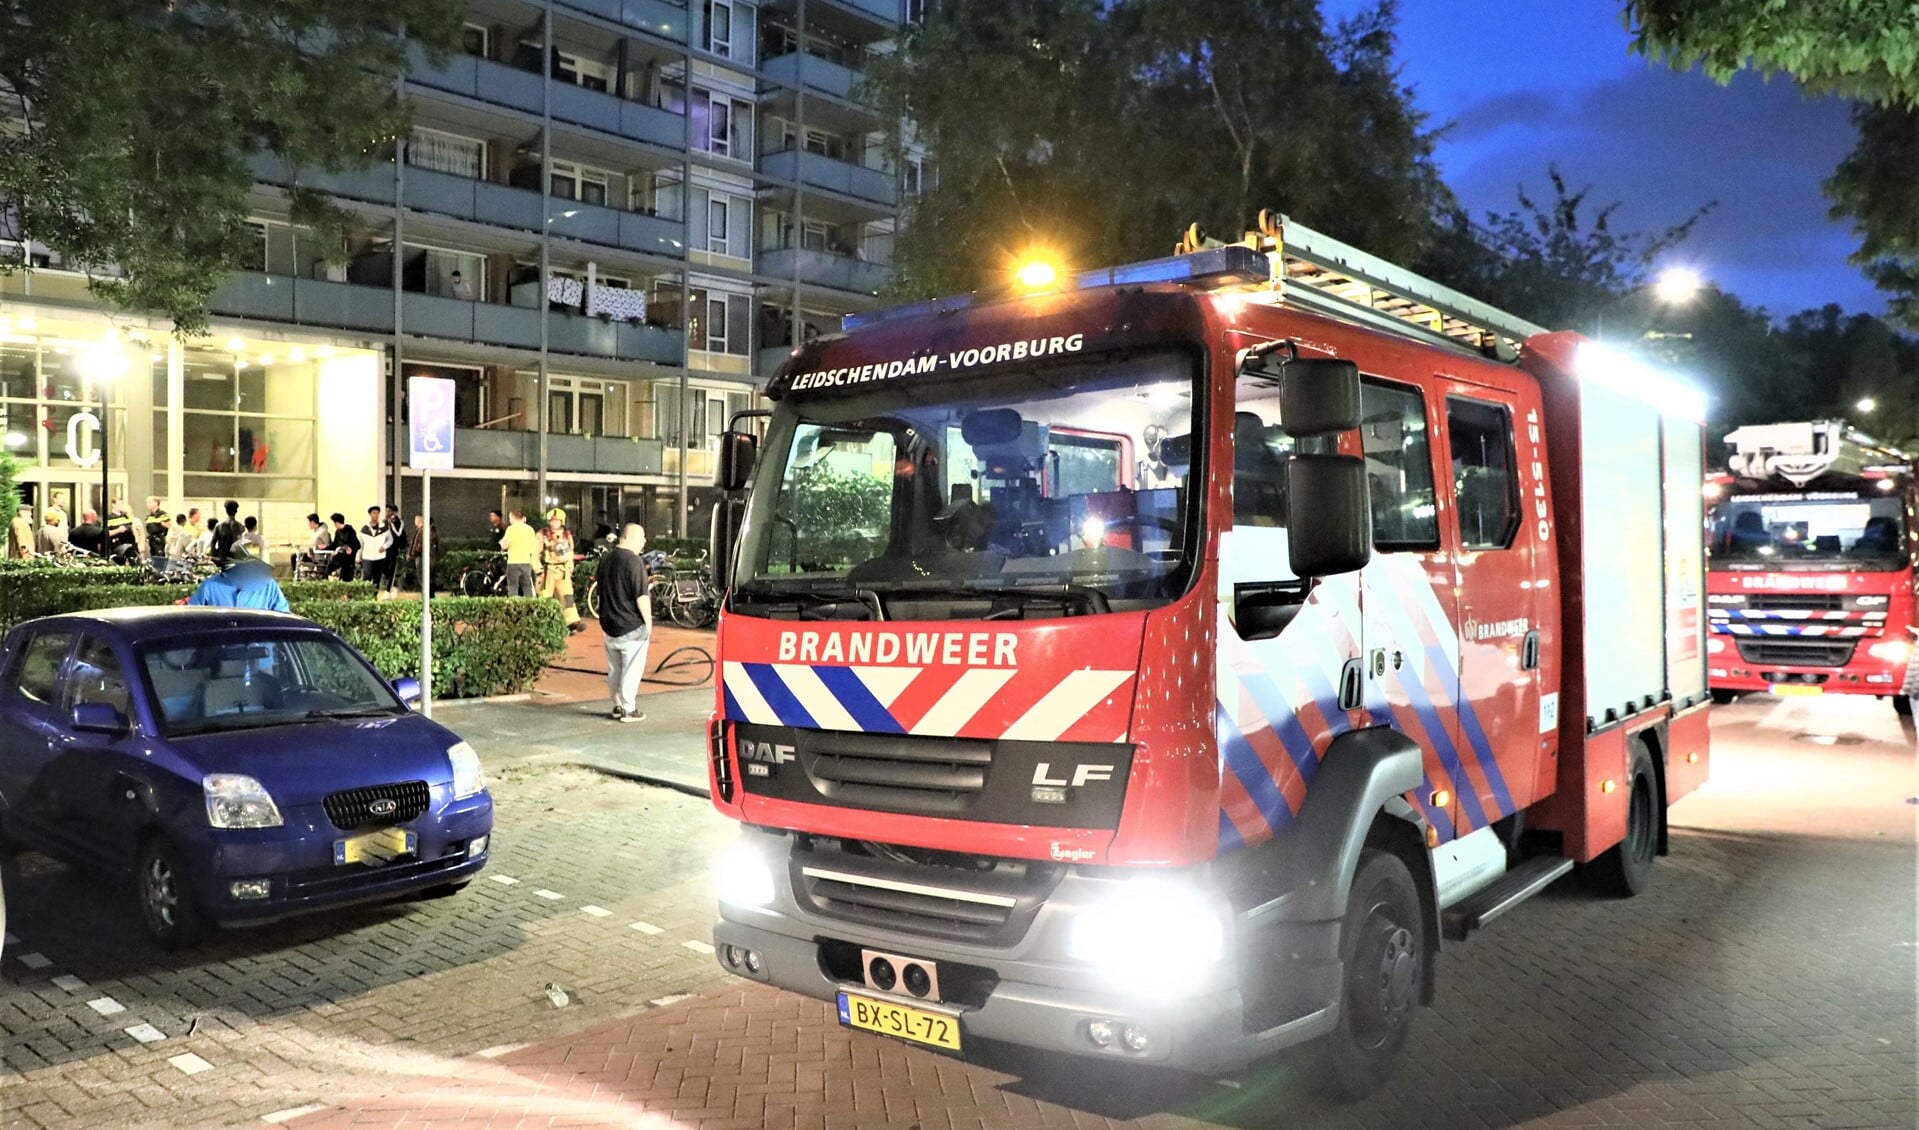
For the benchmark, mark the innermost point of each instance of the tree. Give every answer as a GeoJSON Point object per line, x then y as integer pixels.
{"type": "Point", "coordinates": [9, 490]}
{"type": "Point", "coordinates": [1097, 130]}
{"type": "Point", "coordinates": [136, 119]}
{"type": "Point", "coordinates": [1862, 49]}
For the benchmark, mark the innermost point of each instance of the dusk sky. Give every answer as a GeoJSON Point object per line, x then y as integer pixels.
{"type": "Point", "coordinates": [1527, 83]}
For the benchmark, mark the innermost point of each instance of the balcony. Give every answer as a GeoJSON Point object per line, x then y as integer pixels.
{"type": "Point", "coordinates": [666, 20]}
{"type": "Point", "coordinates": [520, 450]}
{"type": "Point", "coordinates": [346, 306]}
{"type": "Point", "coordinates": [802, 69]}
{"type": "Point", "coordinates": [487, 81]}
{"type": "Point", "coordinates": [843, 177]}
{"type": "Point", "coordinates": [823, 268]}
{"type": "Point", "coordinates": [635, 231]}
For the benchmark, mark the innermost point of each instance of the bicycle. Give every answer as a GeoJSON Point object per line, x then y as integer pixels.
{"type": "Point", "coordinates": [486, 577]}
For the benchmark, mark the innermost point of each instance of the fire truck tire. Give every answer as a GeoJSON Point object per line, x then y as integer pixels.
{"type": "Point", "coordinates": [1722, 698]}
{"type": "Point", "coordinates": [1382, 950]}
{"type": "Point", "coordinates": [1902, 705]}
{"type": "Point", "coordinates": [1625, 870]}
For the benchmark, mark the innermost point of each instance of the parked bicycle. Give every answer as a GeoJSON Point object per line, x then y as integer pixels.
{"type": "Point", "coordinates": [688, 597]}
{"type": "Point", "coordinates": [485, 577]}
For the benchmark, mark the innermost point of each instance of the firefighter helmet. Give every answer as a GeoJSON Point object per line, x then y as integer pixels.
{"type": "Point", "coordinates": [556, 512]}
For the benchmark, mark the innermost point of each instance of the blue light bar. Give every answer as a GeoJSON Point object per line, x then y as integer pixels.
{"type": "Point", "coordinates": [1215, 266]}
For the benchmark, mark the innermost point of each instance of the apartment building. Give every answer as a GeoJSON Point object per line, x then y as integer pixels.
{"type": "Point", "coordinates": [610, 222]}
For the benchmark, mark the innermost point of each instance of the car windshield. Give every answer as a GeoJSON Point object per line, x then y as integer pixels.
{"type": "Point", "coordinates": [1809, 531]}
{"type": "Point", "coordinates": [235, 682]}
{"type": "Point", "coordinates": [1069, 478]}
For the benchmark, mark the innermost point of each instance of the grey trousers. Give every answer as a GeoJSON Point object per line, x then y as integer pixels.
{"type": "Point", "coordinates": [626, 666]}
{"type": "Point", "coordinates": [519, 580]}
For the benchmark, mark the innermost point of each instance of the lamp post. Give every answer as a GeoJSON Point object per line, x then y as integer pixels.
{"type": "Point", "coordinates": [1674, 286]}
{"type": "Point", "coordinates": [103, 366]}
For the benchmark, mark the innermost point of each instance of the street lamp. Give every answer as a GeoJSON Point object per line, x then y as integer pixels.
{"type": "Point", "coordinates": [1866, 404]}
{"type": "Point", "coordinates": [1674, 286]}
{"type": "Point", "coordinates": [103, 366]}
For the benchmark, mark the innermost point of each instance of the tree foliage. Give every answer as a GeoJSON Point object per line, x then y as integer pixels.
{"type": "Point", "coordinates": [136, 119]}
{"type": "Point", "coordinates": [1863, 49]}
{"type": "Point", "coordinates": [1096, 130]}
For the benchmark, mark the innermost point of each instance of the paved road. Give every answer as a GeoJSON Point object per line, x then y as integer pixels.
{"type": "Point", "coordinates": [1766, 980]}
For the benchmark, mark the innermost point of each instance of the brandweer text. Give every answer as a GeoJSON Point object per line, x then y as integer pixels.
{"type": "Point", "coordinates": [954, 649]}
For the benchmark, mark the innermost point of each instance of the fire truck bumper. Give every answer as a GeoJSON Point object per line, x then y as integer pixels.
{"type": "Point", "coordinates": [1200, 1029]}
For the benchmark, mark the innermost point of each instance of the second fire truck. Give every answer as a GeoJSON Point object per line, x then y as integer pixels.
{"type": "Point", "coordinates": [1157, 668]}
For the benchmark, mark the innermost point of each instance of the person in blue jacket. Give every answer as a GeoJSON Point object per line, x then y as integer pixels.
{"type": "Point", "coordinates": [246, 582]}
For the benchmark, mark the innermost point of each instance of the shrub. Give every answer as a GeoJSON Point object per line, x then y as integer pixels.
{"type": "Point", "coordinates": [480, 646]}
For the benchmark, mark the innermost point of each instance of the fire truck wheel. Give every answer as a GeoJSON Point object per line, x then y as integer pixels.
{"type": "Point", "coordinates": [1627, 868]}
{"type": "Point", "coordinates": [1902, 705]}
{"type": "Point", "coordinates": [1382, 947]}
{"type": "Point", "coordinates": [1722, 698]}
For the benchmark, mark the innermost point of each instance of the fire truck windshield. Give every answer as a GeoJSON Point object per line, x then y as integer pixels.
{"type": "Point", "coordinates": [1815, 531]}
{"type": "Point", "coordinates": [1060, 479]}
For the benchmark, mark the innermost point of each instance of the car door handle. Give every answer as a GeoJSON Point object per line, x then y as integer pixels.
{"type": "Point", "coordinates": [1529, 652]}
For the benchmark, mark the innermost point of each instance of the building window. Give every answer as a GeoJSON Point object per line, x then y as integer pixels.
{"type": "Point", "coordinates": [448, 274]}
{"type": "Point", "coordinates": [660, 195]}
{"type": "Point", "coordinates": [249, 424]}
{"type": "Point", "coordinates": [580, 71]}
{"type": "Point", "coordinates": [477, 40]}
{"type": "Point", "coordinates": [915, 175]}
{"type": "Point", "coordinates": [722, 126]}
{"type": "Point", "coordinates": [577, 182]}
{"type": "Point", "coordinates": [587, 407]}
{"type": "Point", "coordinates": [915, 12]}
{"type": "Point", "coordinates": [447, 153]}
{"type": "Point", "coordinates": [719, 27]}
{"type": "Point", "coordinates": [719, 323]}
{"type": "Point", "coordinates": [722, 223]}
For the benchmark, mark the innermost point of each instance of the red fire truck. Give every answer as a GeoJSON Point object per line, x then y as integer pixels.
{"type": "Point", "coordinates": [1157, 667]}
{"type": "Point", "coordinates": [1811, 546]}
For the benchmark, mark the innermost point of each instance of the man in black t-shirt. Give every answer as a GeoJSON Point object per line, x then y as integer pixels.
{"type": "Point", "coordinates": [226, 535]}
{"type": "Point", "coordinates": [626, 616]}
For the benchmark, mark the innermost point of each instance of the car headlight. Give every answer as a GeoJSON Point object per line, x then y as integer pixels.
{"type": "Point", "coordinates": [468, 779]}
{"type": "Point", "coordinates": [1150, 933]}
{"type": "Point", "coordinates": [236, 801]}
{"type": "Point", "coordinates": [742, 876]}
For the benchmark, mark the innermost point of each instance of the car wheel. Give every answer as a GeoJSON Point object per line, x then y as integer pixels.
{"type": "Point", "coordinates": [164, 892]}
{"type": "Point", "coordinates": [1627, 868]}
{"type": "Point", "coordinates": [1382, 945]}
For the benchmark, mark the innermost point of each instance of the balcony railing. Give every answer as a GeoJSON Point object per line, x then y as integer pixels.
{"type": "Point", "coordinates": [518, 450]}
{"type": "Point", "coordinates": [823, 268]}
{"type": "Point", "coordinates": [666, 20]}
{"type": "Point", "coordinates": [488, 81]}
{"type": "Point", "coordinates": [347, 306]}
{"type": "Point", "coordinates": [842, 177]}
{"type": "Point", "coordinates": [802, 69]}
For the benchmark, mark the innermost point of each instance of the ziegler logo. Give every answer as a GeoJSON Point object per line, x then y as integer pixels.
{"type": "Point", "coordinates": [1063, 854]}
{"type": "Point", "coordinates": [384, 806]}
{"type": "Point", "coordinates": [766, 752]}
{"type": "Point", "coordinates": [1082, 774]}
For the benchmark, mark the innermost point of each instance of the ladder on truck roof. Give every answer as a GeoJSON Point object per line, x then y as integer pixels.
{"type": "Point", "coordinates": [1802, 451]}
{"type": "Point", "coordinates": [1315, 271]}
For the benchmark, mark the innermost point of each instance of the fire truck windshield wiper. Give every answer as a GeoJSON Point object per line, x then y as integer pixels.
{"type": "Point", "coordinates": [1079, 597]}
{"type": "Point", "coordinates": [822, 602]}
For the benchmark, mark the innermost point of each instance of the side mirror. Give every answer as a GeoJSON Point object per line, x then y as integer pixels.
{"type": "Point", "coordinates": [1333, 532]}
{"type": "Point", "coordinates": [99, 718]}
{"type": "Point", "coordinates": [408, 688]}
{"type": "Point", "coordinates": [1318, 396]}
{"type": "Point", "coordinates": [738, 450]}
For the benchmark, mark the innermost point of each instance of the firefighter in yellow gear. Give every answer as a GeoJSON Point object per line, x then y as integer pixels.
{"type": "Point", "coordinates": [556, 567]}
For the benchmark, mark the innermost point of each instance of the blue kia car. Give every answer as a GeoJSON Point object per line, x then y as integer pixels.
{"type": "Point", "coordinates": [240, 765]}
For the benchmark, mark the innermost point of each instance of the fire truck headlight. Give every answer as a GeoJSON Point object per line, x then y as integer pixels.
{"type": "Point", "coordinates": [1892, 651]}
{"type": "Point", "coordinates": [742, 876]}
{"type": "Point", "coordinates": [1715, 645]}
{"type": "Point", "coordinates": [1151, 935]}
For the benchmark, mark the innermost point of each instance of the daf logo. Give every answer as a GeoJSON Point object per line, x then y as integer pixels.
{"type": "Point", "coordinates": [766, 752]}
{"type": "Point", "coordinates": [1082, 774]}
{"type": "Point", "coordinates": [385, 806]}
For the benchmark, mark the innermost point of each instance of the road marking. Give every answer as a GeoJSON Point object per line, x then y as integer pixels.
{"type": "Point", "coordinates": [34, 960]}
{"type": "Point", "coordinates": [672, 998]}
{"type": "Point", "coordinates": [698, 947]}
{"type": "Point", "coordinates": [292, 1112]}
{"type": "Point", "coordinates": [645, 928]}
{"type": "Point", "coordinates": [106, 1006]}
{"type": "Point", "coordinates": [498, 1050]}
{"type": "Point", "coordinates": [69, 982]}
{"type": "Point", "coordinates": [550, 896]}
{"type": "Point", "coordinates": [145, 1033]}
{"type": "Point", "coordinates": [597, 911]}
{"type": "Point", "coordinates": [190, 1064]}
{"type": "Point", "coordinates": [503, 880]}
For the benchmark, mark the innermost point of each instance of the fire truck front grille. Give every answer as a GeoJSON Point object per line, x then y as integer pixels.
{"type": "Point", "coordinates": [874, 771]}
{"type": "Point", "coordinates": [1797, 652]}
{"type": "Point", "coordinates": [1797, 603]}
{"type": "Point", "coordinates": [933, 895]}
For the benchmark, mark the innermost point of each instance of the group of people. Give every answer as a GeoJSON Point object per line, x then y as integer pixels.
{"type": "Point", "coordinates": [375, 551]}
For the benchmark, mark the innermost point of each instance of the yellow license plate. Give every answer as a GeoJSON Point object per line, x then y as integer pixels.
{"type": "Point", "coordinates": [379, 847]}
{"type": "Point", "coordinates": [1791, 690]}
{"type": "Point", "coordinates": [935, 1029]}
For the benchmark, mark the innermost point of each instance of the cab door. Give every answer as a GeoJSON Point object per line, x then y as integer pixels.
{"type": "Point", "coordinates": [1498, 591]}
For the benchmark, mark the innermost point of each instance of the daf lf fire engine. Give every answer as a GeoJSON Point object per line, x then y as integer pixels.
{"type": "Point", "coordinates": [1811, 546]}
{"type": "Point", "coordinates": [1158, 668]}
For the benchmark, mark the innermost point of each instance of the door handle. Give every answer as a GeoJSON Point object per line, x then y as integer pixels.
{"type": "Point", "coordinates": [1529, 651]}
{"type": "Point", "coordinates": [1352, 682]}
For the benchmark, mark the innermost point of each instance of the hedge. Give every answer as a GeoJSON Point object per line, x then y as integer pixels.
{"type": "Point", "coordinates": [45, 590]}
{"type": "Point", "coordinates": [480, 646]}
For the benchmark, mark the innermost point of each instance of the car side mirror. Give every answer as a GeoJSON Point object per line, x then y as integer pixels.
{"type": "Point", "coordinates": [99, 718]}
{"type": "Point", "coordinates": [1330, 525]}
{"type": "Point", "coordinates": [1318, 396]}
{"type": "Point", "coordinates": [738, 451]}
{"type": "Point", "coordinates": [408, 688]}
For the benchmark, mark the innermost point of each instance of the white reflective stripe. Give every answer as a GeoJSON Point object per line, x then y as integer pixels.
{"type": "Point", "coordinates": [804, 684]}
{"type": "Point", "coordinates": [1067, 703]}
{"type": "Point", "coordinates": [752, 704]}
{"type": "Point", "coordinates": [957, 707]}
{"type": "Point", "coordinates": [907, 888]}
{"type": "Point", "coordinates": [886, 683]}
